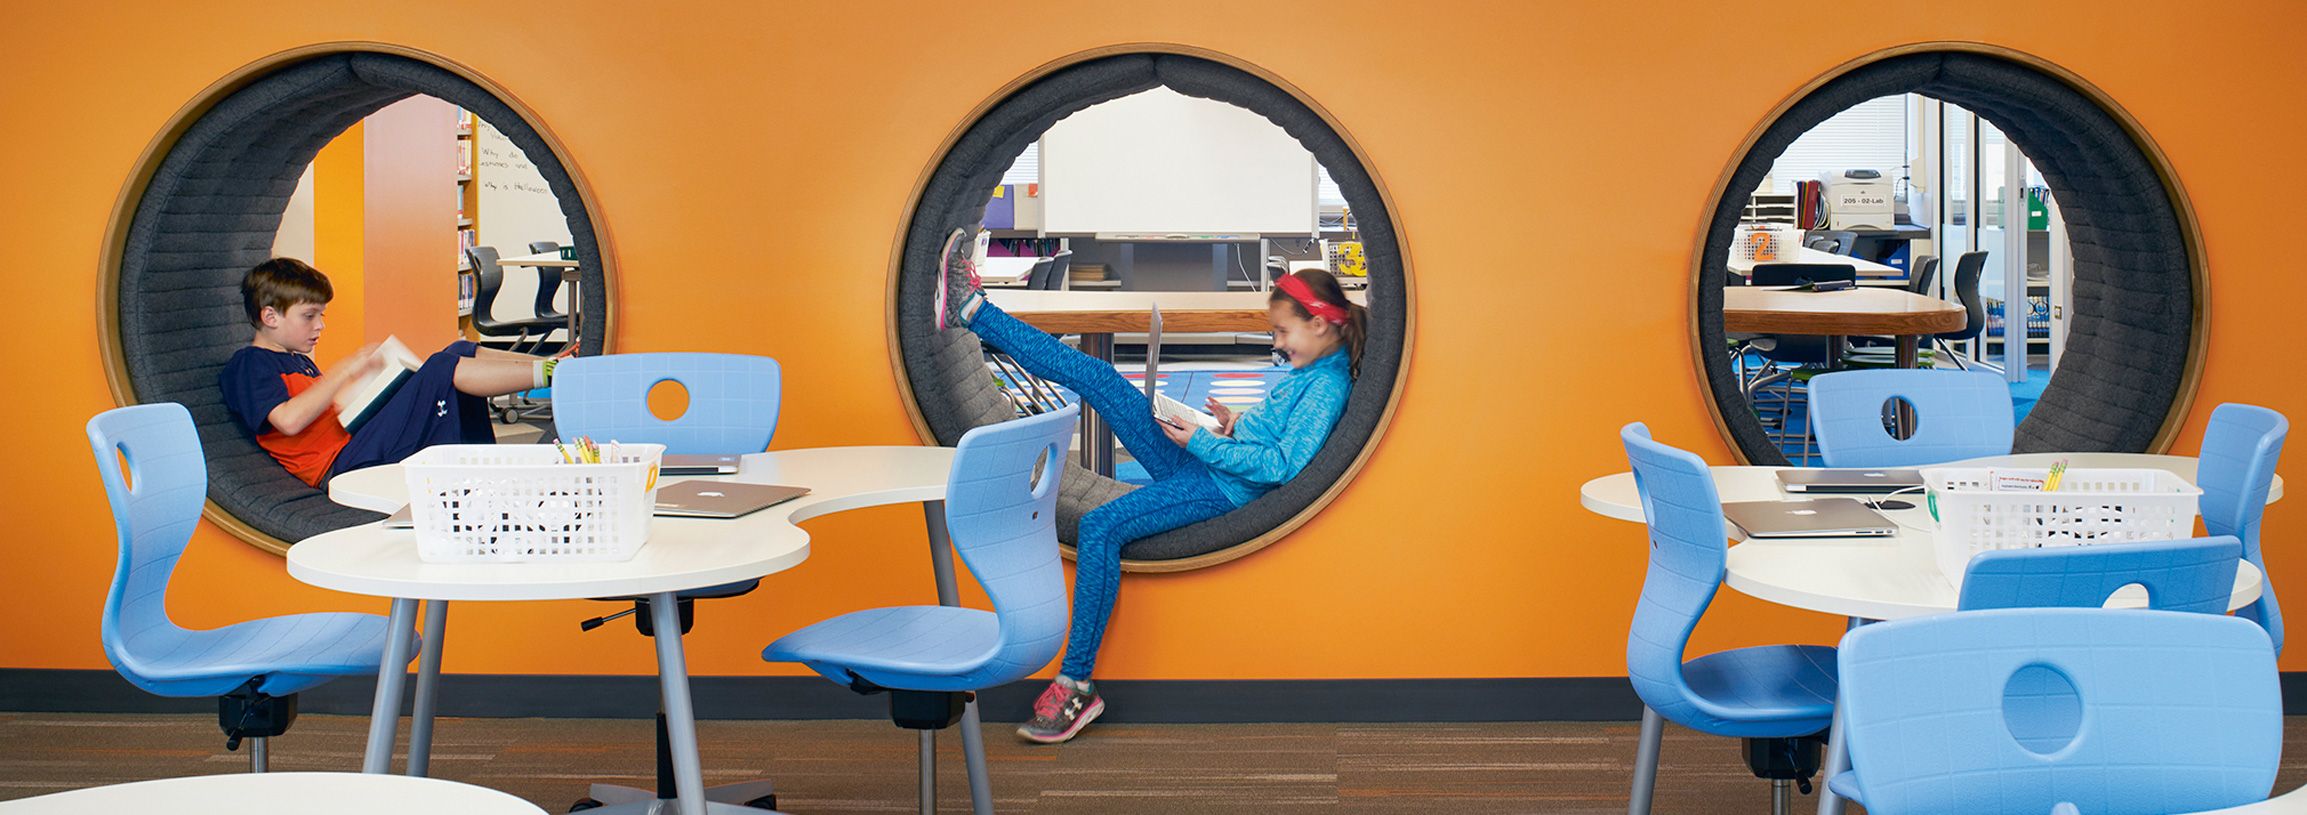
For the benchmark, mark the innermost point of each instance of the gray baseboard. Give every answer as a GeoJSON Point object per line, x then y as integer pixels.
{"type": "Point", "coordinates": [746, 697]}
{"type": "Point", "coordinates": [1195, 701]}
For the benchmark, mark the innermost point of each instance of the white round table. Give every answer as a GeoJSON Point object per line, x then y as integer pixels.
{"type": "Point", "coordinates": [682, 553]}
{"type": "Point", "coordinates": [1870, 578]}
{"type": "Point", "coordinates": [279, 794]}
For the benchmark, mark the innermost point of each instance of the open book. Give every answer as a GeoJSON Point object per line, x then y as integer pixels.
{"type": "Point", "coordinates": [1166, 409]}
{"type": "Point", "coordinates": [358, 402]}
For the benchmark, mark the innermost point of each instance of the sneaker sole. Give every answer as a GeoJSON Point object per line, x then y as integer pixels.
{"type": "Point", "coordinates": [1067, 734]}
{"type": "Point", "coordinates": [944, 267]}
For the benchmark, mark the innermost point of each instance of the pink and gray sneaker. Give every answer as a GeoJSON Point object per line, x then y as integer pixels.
{"type": "Point", "coordinates": [1062, 711]}
{"type": "Point", "coordinates": [957, 282]}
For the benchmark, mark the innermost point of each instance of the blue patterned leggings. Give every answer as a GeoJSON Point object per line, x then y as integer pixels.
{"type": "Point", "coordinates": [1182, 492]}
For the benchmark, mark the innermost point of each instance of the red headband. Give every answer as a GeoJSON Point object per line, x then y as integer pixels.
{"type": "Point", "coordinates": [1329, 312]}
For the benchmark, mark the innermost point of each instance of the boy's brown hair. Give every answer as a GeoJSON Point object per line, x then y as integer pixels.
{"type": "Point", "coordinates": [281, 283]}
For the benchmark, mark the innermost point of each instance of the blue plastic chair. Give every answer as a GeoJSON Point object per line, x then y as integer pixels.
{"type": "Point", "coordinates": [2195, 575]}
{"type": "Point", "coordinates": [1776, 691]}
{"type": "Point", "coordinates": [733, 404]}
{"type": "Point", "coordinates": [1001, 512]}
{"type": "Point", "coordinates": [1958, 415]}
{"type": "Point", "coordinates": [256, 666]}
{"type": "Point", "coordinates": [733, 400]}
{"type": "Point", "coordinates": [2240, 448]}
{"type": "Point", "coordinates": [2171, 712]}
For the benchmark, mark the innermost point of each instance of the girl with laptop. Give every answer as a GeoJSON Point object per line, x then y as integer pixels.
{"type": "Point", "coordinates": [1198, 473]}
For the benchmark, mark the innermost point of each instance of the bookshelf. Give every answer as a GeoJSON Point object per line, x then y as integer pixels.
{"type": "Point", "coordinates": [468, 224]}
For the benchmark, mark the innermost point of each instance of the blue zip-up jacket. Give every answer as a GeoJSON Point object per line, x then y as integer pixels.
{"type": "Point", "coordinates": [1275, 440]}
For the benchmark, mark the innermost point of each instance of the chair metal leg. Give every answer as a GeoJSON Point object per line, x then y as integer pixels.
{"type": "Point", "coordinates": [385, 716]}
{"type": "Point", "coordinates": [259, 758]}
{"type": "Point", "coordinates": [428, 680]}
{"type": "Point", "coordinates": [928, 772]}
{"type": "Point", "coordinates": [1780, 796]}
{"type": "Point", "coordinates": [1646, 762]}
{"type": "Point", "coordinates": [973, 755]}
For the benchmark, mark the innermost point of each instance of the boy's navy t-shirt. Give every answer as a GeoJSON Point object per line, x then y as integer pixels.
{"type": "Point", "coordinates": [255, 381]}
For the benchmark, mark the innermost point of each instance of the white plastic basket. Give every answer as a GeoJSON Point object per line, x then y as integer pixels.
{"type": "Point", "coordinates": [1765, 243]}
{"type": "Point", "coordinates": [489, 503]}
{"type": "Point", "coordinates": [2090, 506]}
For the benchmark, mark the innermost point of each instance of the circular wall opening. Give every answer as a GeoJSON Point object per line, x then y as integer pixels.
{"type": "Point", "coordinates": [943, 374]}
{"type": "Point", "coordinates": [2136, 337]}
{"type": "Point", "coordinates": [202, 207]}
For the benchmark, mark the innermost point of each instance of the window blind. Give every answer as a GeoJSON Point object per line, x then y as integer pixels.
{"type": "Point", "coordinates": [1870, 135]}
{"type": "Point", "coordinates": [1027, 168]}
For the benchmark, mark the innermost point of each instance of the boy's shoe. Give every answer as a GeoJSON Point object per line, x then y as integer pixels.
{"type": "Point", "coordinates": [956, 279]}
{"type": "Point", "coordinates": [1061, 712]}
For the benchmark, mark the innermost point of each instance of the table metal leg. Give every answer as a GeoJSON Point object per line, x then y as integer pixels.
{"type": "Point", "coordinates": [384, 718]}
{"type": "Point", "coordinates": [429, 648]}
{"type": "Point", "coordinates": [680, 717]}
{"type": "Point", "coordinates": [1096, 435]}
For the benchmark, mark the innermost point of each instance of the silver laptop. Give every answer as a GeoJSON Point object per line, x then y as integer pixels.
{"type": "Point", "coordinates": [1165, 409]}
{"type": "Point", "coordinates": [698, 464]}
{"type": "Point", "coordinates": [1814, 518]}
{"type": "Point", "coordinates": [1848, 479]}
{"type": "Point", "coordinates": [721, 499]}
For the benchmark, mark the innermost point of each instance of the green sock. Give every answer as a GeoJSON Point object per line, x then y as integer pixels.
{"type": "Point", "coordinates": [543, 372]}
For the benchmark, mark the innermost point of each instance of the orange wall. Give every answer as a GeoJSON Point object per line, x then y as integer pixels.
{"type": "Point", "coordinates": [1561, 150]}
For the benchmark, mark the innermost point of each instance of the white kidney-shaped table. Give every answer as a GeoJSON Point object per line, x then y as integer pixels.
{"type": "Point", "coordinates": [682, 553]}
{"type": "Point", "coordinates": [1881, 578]}
{"type": "Point", "coordinates": [1872, 578]}
{"type": "Point", "coordinates": [279, 794]}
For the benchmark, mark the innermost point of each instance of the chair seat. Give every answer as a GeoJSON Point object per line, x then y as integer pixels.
{"type": "Point", "coordinates": [926, 648]}
{"type": "Point", "coordinates": [292, 652]}
{"type": "Point", "coordinates": [1772, 691]}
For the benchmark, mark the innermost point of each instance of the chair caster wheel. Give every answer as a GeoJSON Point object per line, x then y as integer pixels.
{"type": "Point", "coordinates": [510, 416]}
{"type": "Point", "coordinates": [764, 802]}
{"type": "Point", "coordinates": [583, 804]}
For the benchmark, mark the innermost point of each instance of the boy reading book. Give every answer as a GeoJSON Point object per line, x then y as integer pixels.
{"type": "Point", "coordinates": [277, 393]}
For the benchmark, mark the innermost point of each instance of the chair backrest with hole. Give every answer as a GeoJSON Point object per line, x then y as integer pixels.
{"type": "Point", "coordinates": [733, 400]}
{"type": "Point", "coordinates": [2168, 712]}
{"type": "Point", "coordinates": [1001, 511]}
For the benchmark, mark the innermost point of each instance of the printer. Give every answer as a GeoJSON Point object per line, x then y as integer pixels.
{"type": "Point", "coordinates": [1857, 199]}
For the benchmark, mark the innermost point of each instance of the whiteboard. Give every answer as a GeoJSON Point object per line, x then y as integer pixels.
{"type": "Point", "coordinates": [1161, 161]}
{"type": "Point", "coordinates": [513, 208]}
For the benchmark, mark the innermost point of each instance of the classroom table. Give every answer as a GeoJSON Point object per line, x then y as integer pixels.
{"type": "Point", "coordinates": [682, 553]}
{"type": "Point", "coordinates": [278, 794]}
{"type": "Point", "coordinates": [1868, 578]}
{"type": "Point", "coordinates": [1005, 272]}
{"type": "Point", "coordinates": [1805, 254]}
{"type": "Point", "coordinates": [1836, 314]}
{"type": "Point", "coordinates": [1098, 315]}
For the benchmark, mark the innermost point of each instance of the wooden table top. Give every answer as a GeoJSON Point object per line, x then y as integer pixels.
{"type": "Point", "coordinates": [1110, 312]}
{"type": "Point", "coordinates": [1852, 311]}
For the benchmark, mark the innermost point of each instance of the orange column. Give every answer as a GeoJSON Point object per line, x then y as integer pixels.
{"type": "Point", "coordinates": [409, 241]}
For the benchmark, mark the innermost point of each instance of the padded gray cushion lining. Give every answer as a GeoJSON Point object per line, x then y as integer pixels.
{"type": "Point", "coordinates": [948, 374]}
{"type": "Point", "coordinates": [2128, 342]}
{"type": "Point", "coordinates": [211, 212]}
